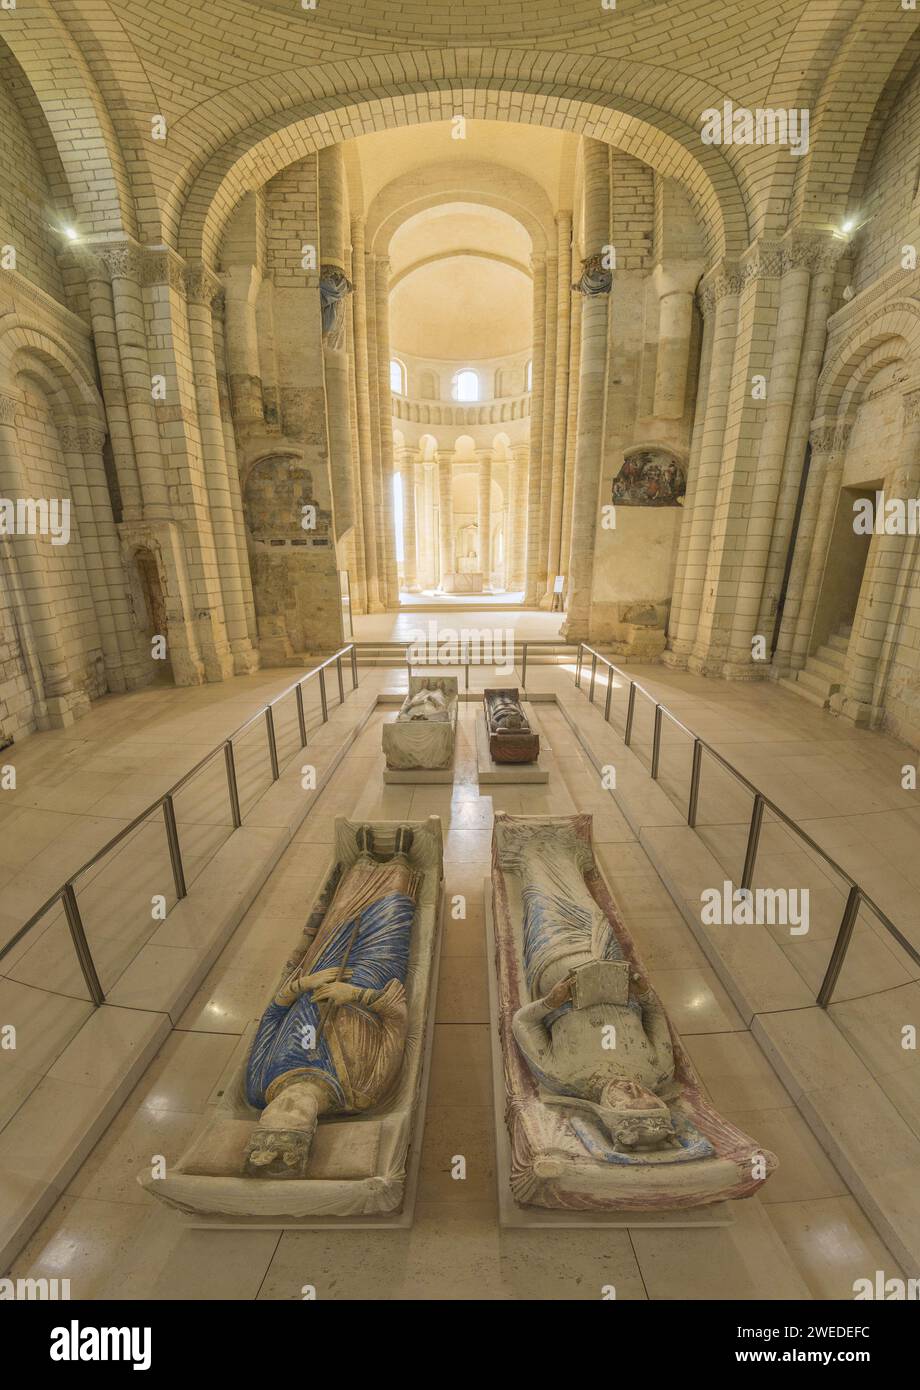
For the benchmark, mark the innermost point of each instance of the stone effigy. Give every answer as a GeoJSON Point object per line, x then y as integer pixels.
{"type": "Point", "coordinates": [321, 1111]}
{"type": "Point", "coordinates": [603, 1108]}
{"type": "Point", "coordinates": [424, 731]}
{"type": "Point", "coordinates": [511, 739]}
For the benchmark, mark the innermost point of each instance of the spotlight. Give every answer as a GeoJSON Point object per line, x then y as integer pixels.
{"type": "Point", "coordinates": [848, 225]}
{"type": "Point", "coordinates": [70, 233]}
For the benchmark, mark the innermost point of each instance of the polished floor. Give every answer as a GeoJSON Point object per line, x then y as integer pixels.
{"type": "Point", "coordinates": [803, 1237]}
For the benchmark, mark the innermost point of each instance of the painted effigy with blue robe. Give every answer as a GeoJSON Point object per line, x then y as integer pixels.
{"type": "Point", "coordinates": [353, 1050]}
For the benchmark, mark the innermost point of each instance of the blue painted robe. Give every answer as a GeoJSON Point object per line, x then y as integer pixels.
{"type": "Point", "coordinates": [357, 1044]}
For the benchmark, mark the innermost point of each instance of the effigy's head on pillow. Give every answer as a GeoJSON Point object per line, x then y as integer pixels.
{"type": "Point", "coordinates": [634, 1117]}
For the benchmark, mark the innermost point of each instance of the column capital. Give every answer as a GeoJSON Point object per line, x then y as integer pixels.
{"type": "Point", "coordinates": [8, 408]}
{"type": "Point", "coordinates": [911, 399]}
{"type": "Point", "coordinates": [829, 436]}
{"type": "Point", "coordinates": [200, 285]}
{"type": "Point", "coordinates": [724, 279]}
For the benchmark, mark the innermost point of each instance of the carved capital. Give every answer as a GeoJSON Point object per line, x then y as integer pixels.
{"type": "Point", "coordinates": [911, 406]}
{"type": "Point", "coordinates": [595, 278]}
{"type": "Point", "coordinates": [92, 438]}
{"type": "Point", "coordinates": [201, 285]}
{"type": "Point", "coordinates": [724, 280]}
{"type": "Point", "coordinates": [121, 261]}
{"type": "Point", "coordinates": [842, 436]}
{"type": "Point", "coordinates": [8, 408]}
{"type": "Point", "coordinates": [821, 439]}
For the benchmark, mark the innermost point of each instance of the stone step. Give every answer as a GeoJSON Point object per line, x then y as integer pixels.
{"type": "Point", "coordinates": [825, 670]}
{"type": "Point", "coordinates": [816, 683]}
{"type": "Point", "coordinates": [839, 642]}
{"type": "Point", "coordinates": [831, 656]}
{"type": "Point", "coordinates": [790, 683]}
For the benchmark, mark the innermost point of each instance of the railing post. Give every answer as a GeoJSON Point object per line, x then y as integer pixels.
{"type": "Point", "coordinates": [593, 677]}
{"type": "Point", "coordinates": [81, 945]}
{"type": "Point", "coordinates": [301, 719]}
{"type": "Point", "coordinates": [695, 783]}
{"type": "Point", "coordinates": [322, 694]}
{"type": "Point", "coordinates": [272, 745]}
{"type": "Point", "coordinates": [338, 670]}
{"type": "Point", "coordinates": [753, 841]}
{"type": "Point", "coordinates": [578, 661]}
{"type": "Point", "coordinates": [630, 711]}
{"type": "Point", "coordinates": [524, 667]}
{"type": "Point", "coordinates": [354, 667]}
{"type": "Point", "coordinates": [609, 693]}
{"type": "Point", "coordinates": [838, 955]}
{"type": "Point", "coordinates": [656, 742]}
{"type": "Point", "coordinates": [232, 788]}
{"type": "Point", "coordinates": [172, 839]}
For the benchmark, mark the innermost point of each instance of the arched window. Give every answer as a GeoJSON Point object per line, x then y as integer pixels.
{"type": "Point", "coordinates": [529, 386]}
{"type": "Point", "coordinates": [466, 385]}
{"type": "Point", "coordinates": [397, 376]}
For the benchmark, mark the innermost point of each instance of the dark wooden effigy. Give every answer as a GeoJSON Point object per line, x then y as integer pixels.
{"type": "Point", "coordinates": [511, 739]}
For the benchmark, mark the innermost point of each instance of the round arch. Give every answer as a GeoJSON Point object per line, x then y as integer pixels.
{"type": "Point", "coordinates": [613, 114]}
{"type": "Point", "coordinates": [845, 374]}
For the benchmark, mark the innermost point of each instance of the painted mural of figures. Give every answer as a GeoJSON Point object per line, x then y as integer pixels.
{"type": "Point", "coordinates": [332, 1040]}
{"type": "Point", "coordinates": [582, 991]}
{"type": "Point", "coordinates": [649, 478]}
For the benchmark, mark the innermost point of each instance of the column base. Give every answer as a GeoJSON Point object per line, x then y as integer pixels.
{"type": "Point", "coordinates": [858, 712]}
{"type": "Point", "coordinates": [246, 659]}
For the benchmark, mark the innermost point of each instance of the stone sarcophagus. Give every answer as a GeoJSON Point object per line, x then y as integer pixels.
{"type": "Point", "coordinates": [603, 1109]}
{"type": "Point", "coordinates": [425, 729]}
{"type": "Point", "coordinates": [511, 739]}
{"type": "Point", "coordinates": [325, 1103]}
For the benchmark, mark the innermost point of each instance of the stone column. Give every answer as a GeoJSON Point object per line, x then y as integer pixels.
{"type": "Point", "coordinates": [241, 292]}
{"type": "Point", "coordinates": [359, 587]}
{"type": "Point", "coordinates": [594, 284]}
{"type": "Point", "coordinates": [719, 298]}
{"type": "Point", "coordinates": [123, 266]}
{"type": "Point", "coordinates": [112, 384]}
{"type": "Point", "coordinates": [549, 418]}
{"type": "Point", "coordinates": [484, 515]}
{"type": "Point", "coordinates": [554, 499]}
{"type": "Point", "coordinates": [767, 477]}
{"type": "Point", "coordinates": [828, 446]}
{"type": "Point", "coordinates": [445, 459]}
{"type": "Point", "coordinates": [517, 508]}
{"type": "Point", "coordinates": [363, 403]}
{"type": "Point", "coordinates": [533, 589]}
{"type": "Point", "coordinates": [678, 657]}
{"type": "Point", "coordinates": [203, 290]}
{"type": "Point", "coordinates": [812, 356]}
{"type": "Point", "coordinates": [57, 697]}
{"type": "Point", "coordinates": [410, 531]}
{"type": "Point", "coordinates": [882, 581]}
{"type": "Point", "coordinates": [251, 414]}
{"type": "Point", "coordinates": [334, 289]}
{"type": "Point", "coordinates": [382, 290]}
{"type": "Point", "coordinates": [571, 435]}
{"type": "Point", "coordinates": [675, 285]}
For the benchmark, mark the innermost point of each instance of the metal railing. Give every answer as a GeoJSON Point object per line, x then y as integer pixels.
{"type": "Point", "coordinates": [66, 893]}
{"type": "Point", "coordinates": [856, 895]}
